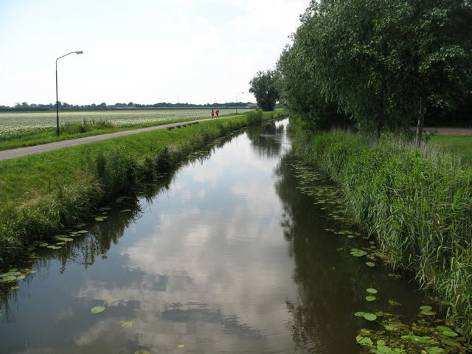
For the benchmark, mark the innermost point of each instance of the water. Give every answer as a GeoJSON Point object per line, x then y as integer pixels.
{"type": "Point", "coordinates": [227, 258]}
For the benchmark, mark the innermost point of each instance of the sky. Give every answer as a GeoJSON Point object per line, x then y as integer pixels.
{"type": "Point", "coordinates": [142, 51]}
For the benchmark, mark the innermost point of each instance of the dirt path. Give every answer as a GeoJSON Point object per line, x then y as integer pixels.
{"type": "Point", "coordinates": [38, 149]}
{"type": "Point", "coordinates": [450, 131]}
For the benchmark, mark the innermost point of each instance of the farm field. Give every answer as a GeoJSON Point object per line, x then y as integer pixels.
{"type": "Point", "coordinates": [28, 129]}
{"type": "Point", "coordinates": [27, 121]}
{"type": "Point", "coordinates": [458, 145]}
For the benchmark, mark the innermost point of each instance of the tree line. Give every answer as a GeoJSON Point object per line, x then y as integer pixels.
{"type": "Point", "coordinates": [376, 64]}
{"type": "Point", "coordinates": [26, 107]}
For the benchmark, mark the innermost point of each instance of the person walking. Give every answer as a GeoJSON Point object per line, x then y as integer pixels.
{"type": "Point", "coordinates": [212, 113]}
{"type": "Point", "coordinates": [217, 113]}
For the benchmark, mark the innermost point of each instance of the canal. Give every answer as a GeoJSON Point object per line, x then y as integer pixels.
{"type": "Point", "coordinates": [227, 257]}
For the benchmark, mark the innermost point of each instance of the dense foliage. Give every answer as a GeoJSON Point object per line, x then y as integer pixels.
{"type": "Point", "coordinates": [382, 63]}
{"type": "Point", "coordinates": [264, 87]}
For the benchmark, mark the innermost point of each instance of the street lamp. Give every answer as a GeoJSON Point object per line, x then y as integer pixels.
{"type": "Point", "coordinates": [242, 93]}
{"type": "Point", "coordinates": [78, 52]}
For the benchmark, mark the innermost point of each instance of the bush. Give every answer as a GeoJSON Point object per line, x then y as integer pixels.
{"type": "Point", "coordinates": [416, 202]}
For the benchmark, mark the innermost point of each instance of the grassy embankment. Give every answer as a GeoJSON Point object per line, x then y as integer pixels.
{"type": "Point", "coordinates": [416, 202]}
{"type": "Point", "coordinates": [42, 193]}
{"type": "Point", "coordinates": [73, 131]}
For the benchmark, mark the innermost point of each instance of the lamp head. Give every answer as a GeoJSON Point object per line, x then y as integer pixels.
{"type": "Point", "coordinates": [79, 52]}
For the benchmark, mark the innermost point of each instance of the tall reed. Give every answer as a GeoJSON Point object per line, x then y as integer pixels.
{"type": "Point", "coordinates": [416, 202]}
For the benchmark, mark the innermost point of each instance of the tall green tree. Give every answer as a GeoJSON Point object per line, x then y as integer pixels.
{"type": "Point", "coordinates": [265, 87]}
{"type": "Point", "coordinates": [381, 62]}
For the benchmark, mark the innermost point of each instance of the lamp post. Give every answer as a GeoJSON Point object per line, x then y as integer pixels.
{"type": "Point", "coordinates": [57, 89]}
{"type": "Point", "coordinates": [242, 93]}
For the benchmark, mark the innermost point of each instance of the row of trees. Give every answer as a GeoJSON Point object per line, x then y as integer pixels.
{"type": "Point", "coordinates": [26, 107]}
{"type": "Point", "coordinates": [378, 63]}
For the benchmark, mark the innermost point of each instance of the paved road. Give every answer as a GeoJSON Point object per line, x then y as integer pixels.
{"type": "Point", "coordinates": [38, 149]}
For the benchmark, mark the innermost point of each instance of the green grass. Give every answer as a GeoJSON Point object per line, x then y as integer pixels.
{"type": "Point", "coordinates": [38, 136]}
{"type": "Point", "coordinates": [460, 146]}
{"type": "Point", "coordinates": [40, 194]}
{"type": "Point", "coordinates": [416, 202]}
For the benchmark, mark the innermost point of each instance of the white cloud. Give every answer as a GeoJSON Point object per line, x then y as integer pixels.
{"type": "Point", "coordinates": [142, 51]}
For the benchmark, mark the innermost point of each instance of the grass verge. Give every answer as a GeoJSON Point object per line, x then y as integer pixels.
{"type": "Point", "coordinates": [40, 194]}
{"type": "Point", "coordinates": [416, 202]}
{"type": "Point", "coordinates": [74, 131]}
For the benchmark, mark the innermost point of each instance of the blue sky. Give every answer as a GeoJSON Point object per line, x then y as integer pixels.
{"type": "Point", "coordinates": [142, 50]}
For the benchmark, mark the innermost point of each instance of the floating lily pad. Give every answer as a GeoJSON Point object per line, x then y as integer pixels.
{"type": "Point", "coordinates": [364, 341]}
{"type": "Point", "coordinates": [366, 315]}
{"type": "Point", "coordinates": [82, 232]}
{"type": "Point", "coordinates": [126, 324]}
{"type": "Point", "coordinates": [370, 264]}
{"type": "Point", "coordinates": [64, 239]}
{"type": "Point", "coordinates": [446, 331]}
{"type": "Point", "coordinates": [370, 298]}
{"type": "Point", "coordinates": [358, 253]}
{"type": "Point", "coordinates": [54, 247]}
{"type": "Point", "coordinates": [435, 350]}
{"type": "Point", "coordinates": [392, 302]}
{"type": "Point", "coordinates": [372, 291]}
{"type": "Point", "coordinates": [383, 348]}
{"type": "Point", "coordinates": [97, 310]}
{"type": "Point", "coordinates": [419, 339]}
{"type": "Point", "coordinates": [427, 311]}
{"type": "Point", "coordinates": [100, 218]}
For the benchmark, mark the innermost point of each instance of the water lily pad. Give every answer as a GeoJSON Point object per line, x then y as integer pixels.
{"type": "Point", "coordinates": [364, 341]}
{"type": "Point", "coordinates": [446, 331]}
{"type": "Point", "coordinates": [100, 218]}
{"type": "Point", "coordinates": [392, 302]}
{"type": "Point", "coordinates": [370, 264]}
{"type": "Point", "coordinates": [54, 247]}
{"type": "Point", "coordinates": [366, 315]}
{"type": "Point", "coordinates": [82, 232]}
{"type": "Point", "coordinates": [64, 239]}
{"type": "Point", "coordinates": [358, 253]}
{"type": "Point", "coordinates": [126, 324]}
{"type": "Point", "coordinates": [427, 310]}
{"type": "Point", "coordinates": [370, 298]}
{"type": "Point", "coordinates": [383, 348]}
{"type": "Point", "coordinates": [419, 339]}
{"type": "Point", "coordinates": [97, 310]}
{"type": "Point", "coordinates": [372, 291]}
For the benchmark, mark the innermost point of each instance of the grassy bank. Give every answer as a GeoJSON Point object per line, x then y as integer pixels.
{"type": "Point", "coordinates": [38, 136]}
{"type": "Point", "coordinates": [42, 193]}
{"type": "Point", "coordinates": [416, 202]}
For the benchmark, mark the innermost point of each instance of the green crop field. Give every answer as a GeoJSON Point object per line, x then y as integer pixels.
{"type": "Point", "coordinates": [15, 122]}
{"type": "Point", "coordinates": [458, 145]}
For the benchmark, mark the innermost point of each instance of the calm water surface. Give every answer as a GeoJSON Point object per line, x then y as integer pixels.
{"type": "Point", "coordinates": [229, 258]}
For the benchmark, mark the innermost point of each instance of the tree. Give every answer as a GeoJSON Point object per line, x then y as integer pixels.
{"type": "Point", "coordinates": [382, 62]}
{"type": "Point", "coordinates": [264, 87]}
